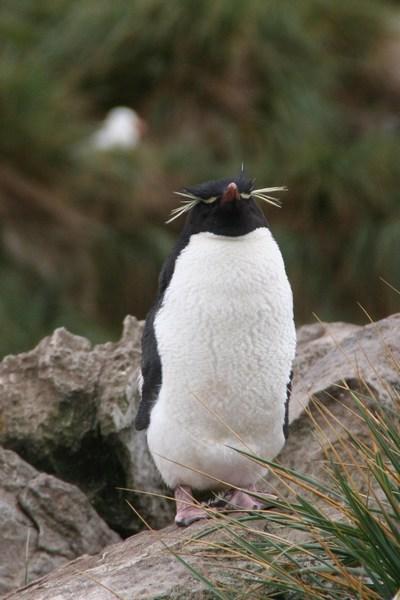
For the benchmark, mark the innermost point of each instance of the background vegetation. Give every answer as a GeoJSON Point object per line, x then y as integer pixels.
{"type": "Point", "coordinates": [306, 93]}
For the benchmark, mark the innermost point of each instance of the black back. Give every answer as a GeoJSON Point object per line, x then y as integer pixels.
{"type": "Point", "coordinates": [233, 218]}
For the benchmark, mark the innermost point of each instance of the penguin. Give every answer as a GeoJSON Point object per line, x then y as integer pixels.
{"type": "Point", "coordinates": [217, 349]}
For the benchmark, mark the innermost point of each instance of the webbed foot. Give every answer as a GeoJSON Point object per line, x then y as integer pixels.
{"type": "Point", "coordinates": [187, 508]}
{"type": "Point", "coordinates": [245, 501]}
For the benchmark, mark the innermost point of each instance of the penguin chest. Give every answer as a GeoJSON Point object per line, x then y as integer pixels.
{"type": "Point", "coordinates": [226, 341]}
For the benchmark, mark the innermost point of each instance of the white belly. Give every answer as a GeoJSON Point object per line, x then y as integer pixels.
{"type": "Point", "coordinates": [226, 341]}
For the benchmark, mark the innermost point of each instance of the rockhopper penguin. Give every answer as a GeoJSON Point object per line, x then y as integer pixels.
{"type": "Point", "coordinates": [217, 349]}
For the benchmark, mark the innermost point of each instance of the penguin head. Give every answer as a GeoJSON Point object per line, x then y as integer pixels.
{"type": "Point", "coordinates": [224, 207]}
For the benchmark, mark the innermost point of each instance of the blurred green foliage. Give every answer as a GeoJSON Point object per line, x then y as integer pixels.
{"type": "Point", "coordinates": [303, 92]}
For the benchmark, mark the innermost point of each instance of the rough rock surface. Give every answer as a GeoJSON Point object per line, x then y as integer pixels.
{"type": "Point", "coordinates": [68, 409]}
{"type": "Point", "coordinates": [366, 358]}
{"type": "Point", "coordinates": [143, 566]}
{"type": "Point", "coordinates": [44, 522]}
{"type": "Point", "coordinates": [340, 360]}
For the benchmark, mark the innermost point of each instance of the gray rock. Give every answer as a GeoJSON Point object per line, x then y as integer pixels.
{"type": "Point", "coordinates": [68, 409]}
{"type": "Point", "coordinates": [145, 565]}
{"type": "Point", "coordinates": [44, 522]}
{"type": "Point", "coordinates": [333, 365]}
{"type": "Point", "coordinates": [330, 355]}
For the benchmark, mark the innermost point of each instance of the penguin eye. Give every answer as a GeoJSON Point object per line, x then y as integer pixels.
{"type": "Point", "coordinates": [209, 200]}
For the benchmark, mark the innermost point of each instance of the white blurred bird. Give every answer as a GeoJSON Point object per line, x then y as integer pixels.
{"type": "Point", "coordinates": [122, 129]}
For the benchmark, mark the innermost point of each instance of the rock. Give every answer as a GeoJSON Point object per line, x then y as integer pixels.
{"type": "Point", "coordinates": [68, 409]}
{"type": "Point", "coordinates": [44, 522]}
{"type": "Point", "coordinates": [342, 359]}
{"type": "Point", "coordinates": [330, 355]}
{"type": "Point", "coordinates": [145, 565]}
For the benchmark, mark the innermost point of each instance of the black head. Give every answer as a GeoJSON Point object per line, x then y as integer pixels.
{"type": "Point", "coordinates": [223, 207]}
{"type": "Point", "coordinates": [215, 189]}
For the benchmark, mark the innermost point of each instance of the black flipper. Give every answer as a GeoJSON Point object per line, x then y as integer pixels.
{"type": "Point", "coordinates": [151, 372]}
{"type": "Point", "coordinates": [288, 394]}
{"type": "Point", "coordinates": [151, 363]}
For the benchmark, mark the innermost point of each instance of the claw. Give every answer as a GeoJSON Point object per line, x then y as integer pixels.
{"type": "Point", "coordinates": [190, 515]}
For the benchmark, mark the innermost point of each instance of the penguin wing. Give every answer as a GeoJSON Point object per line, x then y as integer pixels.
{"type": "Point", "coordinates": [151, 372]}
{"type": "Point", "coordinates": [288, 394]}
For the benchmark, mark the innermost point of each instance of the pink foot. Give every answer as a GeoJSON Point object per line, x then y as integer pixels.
{"type": "Point", "coordinates": [187, 510]}
{"type": "Point", "coordinates": [240, 500]}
